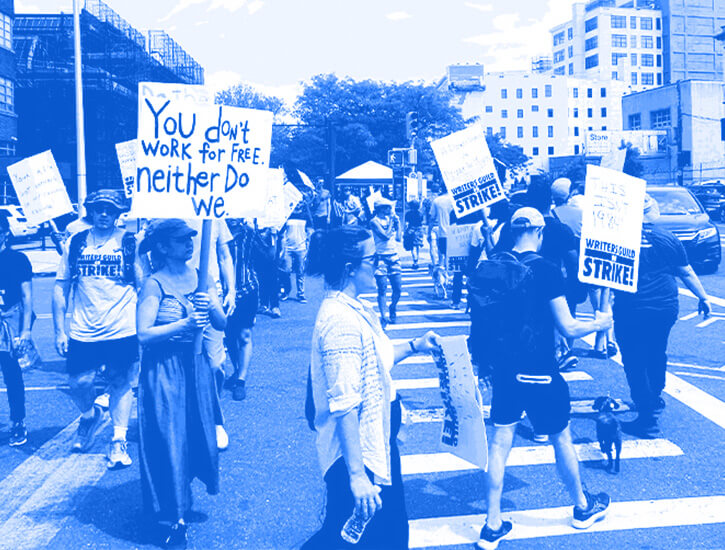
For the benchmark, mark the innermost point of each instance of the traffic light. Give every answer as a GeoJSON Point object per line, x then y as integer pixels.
{"type": "Point", "coordinates": [411, 125]}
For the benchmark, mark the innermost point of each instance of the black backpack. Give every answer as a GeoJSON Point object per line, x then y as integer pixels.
{"type": "Point", "coordinates": [501, 299]}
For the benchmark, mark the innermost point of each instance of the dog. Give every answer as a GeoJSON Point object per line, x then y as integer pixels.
{"type": "Point", "coordinates": [609, 432]}
{"type": "Point", "coordinates": [440, 280]}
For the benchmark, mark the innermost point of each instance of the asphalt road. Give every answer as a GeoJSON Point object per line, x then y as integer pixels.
{"type": "Point", "coordinates": [669, 493]}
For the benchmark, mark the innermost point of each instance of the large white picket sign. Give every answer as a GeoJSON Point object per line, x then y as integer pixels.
{"type": "Point", "coordinates": [199, 160]}
{"type": "Point", "coordinates": [126, 153]}
{"type": "Point", "coordinates": [464, 431]}
{"type": "Point", "coordinates": [611, 229]}
{"type": "Point", "coordinates": [39, 188]}
{"type": "Point", "coordinates": [458, 246]}
{"type": "Point", "coordinates": [467, 168]}
{"type": "Point", "coordinates": [282, 198]}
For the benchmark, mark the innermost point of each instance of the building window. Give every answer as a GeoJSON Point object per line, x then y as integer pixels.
{"type": "Point", "coordinates": [6, 32]}
{"type": "Point", "coordinates": [534, 93]}
{"type": "Point", "coordinates": [590, 112]}
{"type": "Point", "coordinates": [535, 151]}
{"type": "Point", "coordinates": [519, 113]}
{"type": "Point", "coordinates": [569, 33]}
{"type": "Point", "coordinates": [619, 21]}
{"type": "Point", "coordinates": [633, 59]}
{"type": "Point", "coordinates": [590, 92]}
{"type": "Point", "coordinates": [645, 23]}
{"type": "Point", "coordinates": [589, 44]}
{"type": "Point", "coordinates": [551, 151]}
{"type": "Point", "coordinates": [559, 38]}
{"type": "Point", "coordinates": [7, 95]}
{"type": "Point", "coordinates": [560, 70]}
{"type": "Point", "coordinates": [550, 113]}
{"type": "Point", "coordinates": [604, 128]}
{"type": "Point", "coordinates": [648, 79]}
{"type": "Point", "coordinates": [570, 51]}
{"type": "Point", "coordinates": [576, 131]}
{"type": "Point", "coordinates": [590, 24]}
{"type": "Point", "coordinates": [633, 22]}
{"type": "Point", "coordinates": [504, 93]}
{"type": "Point", "coordinates": [576, 112]}
{"type": "Point", "coordinates": [519, 131]}
{"type": "Point", "coordinates": [633, 41]}
{"type": "Point", "coordinates": [659, 42]}
{"type": "Point", "coordinates": [635, 121]}
{"type": "Point", "coordinates": [659, 79]}
{"type": "Point", "coordinates": [534, 108]}
{"type": "Point", "coordinates": [604, 112]}
{"type": "Point", "coordinates": [575, 92]}
{"type": "Point", "coordinates": [547, 90]}
{"type": "Point", "coordinates": [616, 57]}
{"type": "Point", "coordinates": [535, 131]}
{"type": "Point", "coordinates": [576, 149]}
{"type": "Point", "coordinates": [502, 132]}
{"type": "Point", "coordinates": [648, 60]}
{"type": "Point", "coordinates": [559, 56]}
{"type": "Point", "coordinates": [660, 118]}
{"type": "Point", "coordinates": [659, 24]}
{"type": "Point", "coordinates": [591, 61]}
{"type": "Point", "coordinates": [519, 93]}
{"type": "Point", "coordinates": [489, 108]}
{"type": "Point", "coordinates": [550, 131]}
{"type": "Point", "coordinates": [647, 42]}
{"type": "Point", "coordinates": [504, 113]}
{"type": "Point", "coordinates": [615, 75]}
{"type": "Point", "coordinates": [619, 41]}
{"type": "Point", "coordinates": [489, 131]}
{"type": "Point", "coordinates": [7, 149]}
{"type": "Point", "coordinates": [603, 92]}
{"type": "Point", "coordinates": [571, 68]}
{"type": "Point", "coordinates": [659, 60]}
{"type": "Point", "coordinates": [634, 79]}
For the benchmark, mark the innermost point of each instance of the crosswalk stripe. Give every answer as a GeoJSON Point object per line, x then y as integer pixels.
{"type": "Point", "coordinates": [428, 383]}
{"type": "Point", "coordinates": [698, 375]}
{"type": "Point", "coordinates": [713, 299]}
{"type": "Point", "coordinates": [433, 463]}
{"type": "Point", "coordinates": [430, 312]}
{"type": "Point", "coordinates": [435, 414]}
{"type": "Point", "coordinates": [689, 316]}
{"type": "Point", "coordinates": [691, 366]}
{"type": "Point", "coordinates": [428, 325]}
{"type": "Point", "coordinates": [403, 303]}
{"type": "Point", "coordinates": [409, 279]}
{"type": "Point", "coordinates": [375, 294]}
{"type": "Point", "coordinates": [709, 321]}
{"type": "Point", "coordinates": [552, 522]}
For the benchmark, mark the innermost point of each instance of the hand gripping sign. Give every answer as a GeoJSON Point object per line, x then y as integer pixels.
{"type": "Point", "coordinates": [467, 168]}
{"type": "Point", "coordinates": [611, 229]}
{"type": "Point", "coordinates": [39, 188]}
{"type": "Point", "coordinates": [198, 160]}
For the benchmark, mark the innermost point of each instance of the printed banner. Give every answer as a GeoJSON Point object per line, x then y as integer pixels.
{"type": "Point", "coordinates": [464, 431]}
{"type": "Point", "coordinates": [39, 188]}
{"type": "Point", "coordinates": [467, 168]}
{"type": "Point", "coordinates": [611, 229]}
{"type": "Point", "coordinates": [198, 160]}
{"type": "Point", "coordinates": [126, 153]}
{"type": "Point", "coordinates": [282, 198]}
{"type": "Point", "coordinates": [459, 245]}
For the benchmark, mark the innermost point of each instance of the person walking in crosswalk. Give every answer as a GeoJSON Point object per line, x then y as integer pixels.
{"type": "Point", "coordinates": [526, 378]}
{"type": "Point", "coordinates": [387, 232]}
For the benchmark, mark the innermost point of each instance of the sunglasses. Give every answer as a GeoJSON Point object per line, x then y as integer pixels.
{"type": "Point", "coordinates": [105, 209]}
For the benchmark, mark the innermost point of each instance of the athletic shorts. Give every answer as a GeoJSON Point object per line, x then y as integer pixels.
{"type": "Point", "coordinates": [546, 404]}
{"type": "Point", "coordinates": [244, 313]}
{"type": "Point", "coordinates": [387, 264]}
{"type": "Point", "coordinates": [443, 245]}
{"type": "Point", "coordinates": [117, 355]}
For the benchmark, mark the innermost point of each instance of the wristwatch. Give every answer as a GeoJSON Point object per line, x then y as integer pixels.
{"type": "Point", "coordinates": [411, 343]}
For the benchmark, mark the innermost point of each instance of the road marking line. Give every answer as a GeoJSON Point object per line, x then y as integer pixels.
{"type": "Point", "coordinates": [689, 366]}
{"type": "Point", "coordinates": [430, 325]}
{"type": "Point", "coordinates": [419, 285]}
{"type": "Point", "coordinates": [714, 299]}
{"type": "Point", "coordinates": [408, 279]}
{"type": "Point", "coordinates": [430, 383]}
{"type": "Point", "coordinates": [375, 294]}
{"type": "Point", "coordinates": [698, 375]}
{"type": "Point", "coordinates": [689, 316]}
{"type": "Point", "coordinates": [44, 316]}
{"type": "Point", "coordinates": [433, 463]}
{"type": "Point", "coordinates": [551, 522]}
{"type": "Point", "coordinates": [402, 303]}
{"type": "Point", "coordinates": [430, 312]}
{"type": "Point", "coordinates": [41, 388]}
{"type": "Point", "coordinates": [708, 322]}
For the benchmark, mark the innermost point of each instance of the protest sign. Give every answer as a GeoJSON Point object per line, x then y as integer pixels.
{"type": "Point", "coordinates": [614, 160]}
{"type": "Point", "coordinates": [39, 188]}
{"type": "Point", "coordinates": [187, 93]}
{"type": "Point", "coordinates": [459, 244]}
{"type": "Point", "coordinates": [467, 168]}
{"type": "Point", "coordinates": [282, 198]}
{"type": "Point", "coordinates": [371, 198]}
{"type": "Point", "coordinates": [197, 160]}
{"type": "Point", "coordinates": [126, 153]}
{"type": "Point", "coordinates": [611, 229]}
{"type": "Point", "coordinates": [464, 432]}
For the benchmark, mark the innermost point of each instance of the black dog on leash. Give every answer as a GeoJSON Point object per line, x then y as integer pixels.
{"type": "Point", "coordinates": [609, 432]}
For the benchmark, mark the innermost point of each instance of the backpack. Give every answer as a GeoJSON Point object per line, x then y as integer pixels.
{"type": "Point", "coordinates": [501, 299]}
{"type": "Point", "coordinates": [128, 251]}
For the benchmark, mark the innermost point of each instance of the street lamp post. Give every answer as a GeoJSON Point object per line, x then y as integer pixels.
{"type": "Point", "coordinates": [80, 130]}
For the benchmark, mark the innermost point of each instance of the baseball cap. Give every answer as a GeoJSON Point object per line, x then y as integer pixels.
{"type": "Point", "coordinates": [161, 230]}
{"type": "Point", "coordinates": [527, 217]}
{"type": "Point", "coordinates": [560, 189]}
{"type": "Point", "coordinates": [114, 197]}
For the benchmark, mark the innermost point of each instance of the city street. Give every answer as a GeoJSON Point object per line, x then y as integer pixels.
{"type": "Point", "coordinates": [670, 492]}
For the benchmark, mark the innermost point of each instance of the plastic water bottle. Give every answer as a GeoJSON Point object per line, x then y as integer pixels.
{"type": "Point", "coordinates": [354, 527]}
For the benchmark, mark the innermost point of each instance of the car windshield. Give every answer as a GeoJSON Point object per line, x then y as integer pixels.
{"type": "Point", "coordinates": [673, 202]}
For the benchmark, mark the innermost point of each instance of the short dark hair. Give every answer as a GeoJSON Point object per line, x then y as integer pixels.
{"type": "Point", "coordinates": [538, 196]}
{"type": "Point", "coordinates": [331, 251]}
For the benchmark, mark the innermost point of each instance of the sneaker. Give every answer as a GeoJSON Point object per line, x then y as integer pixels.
{"type": "Point", "coordinates": [415, 265]}
{"type": "Point", "coordinates": [541, 438]}
{"type": "Point", "coordinates": [597, 506]}
{"type": "Point", "coordinates": [455, 305]}
{"type": "Point", "coordinates": [568, 361]}
{"type": "Point", "coordinates": [103, 401]}
{"type": "Point", "coordinates": [222, 439]}
{"type": "Point", "coordinates": [392, 314]}
{"type": "Point", "coordinates": [240, 391]}
{"type": "Point", "coordinates": [644, 428]}
{"type": "Point", "coordinates": [88, 429]}
{"type": "Point", "coordinates": [275, 313]}
{"type": "Point", "coordinates": [302, 299]}
{"type": "Point", "coordinates": [489, 539]}
{"type": "Point", "coordinates": [659, 406]}
{"type": "Point", "coordinates": [612, 349]}
{"type": "Point", "coordinates": [118, 455]}
{"type": "Point", "coordinates": [174, 537]}
{"type": "Point", "coordinates": [18, 434]}
{"type": "Point", "coordinates": [283, 297]}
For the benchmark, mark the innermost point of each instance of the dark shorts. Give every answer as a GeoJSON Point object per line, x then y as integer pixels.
{"type": "Point", "coordinates": [443, 245]}
{"type": "Point", "coordinates": [387, 264]}
{"type": "Point", "coordinates": [117, 355]}
{"type": "Point", "coordinates": [547, 405]}
{"type": "Point", "coordinates": [244, 314]}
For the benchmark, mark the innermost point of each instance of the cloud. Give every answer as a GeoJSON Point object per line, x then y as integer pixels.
{"type": "Point", "coordinates": [179, 7]}
{"type": "Point", "coordinates": [479, 7]}
{"type": "Point", "coordinates": [254, 6]}
{"type": "Point", "coordinates": [398, 15]}
{"type": "Point", "coordinates": [200, 23]}
{"type": "Point", "coordinates": [231, 6]}
{"type": "Point", "coordinates": [222, 80]}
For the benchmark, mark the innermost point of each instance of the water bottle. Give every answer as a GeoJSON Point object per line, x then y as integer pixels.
{"type": "Point", "coordinates": [354, 527]}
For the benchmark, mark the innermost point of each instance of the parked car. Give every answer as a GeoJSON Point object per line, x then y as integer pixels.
{"type": "Point", "coordinates": [19, 226]}
{"type": "Point", "coordinates": [683, 215]}
{"type": "Point", "coordinates": [711, 195]}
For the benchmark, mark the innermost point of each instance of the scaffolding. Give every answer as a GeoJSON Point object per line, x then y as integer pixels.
{"type": "Point", "coordinates": [167, 51]}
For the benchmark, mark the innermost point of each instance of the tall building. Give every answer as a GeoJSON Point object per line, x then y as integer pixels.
{"type": "Point", "coordinates": [547, 115]}
{"type": "Point", "coordinates": [608, 39]}
{"type": "Point", "coordinates": [8, 118]}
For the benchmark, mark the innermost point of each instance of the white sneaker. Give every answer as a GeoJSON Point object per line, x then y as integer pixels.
{"type": "Point", "coordinates": [118, 454]}
{"type": "Point", "coordinates": [103, 401]}
{"type": "Point", "coordinates": [222, 439]}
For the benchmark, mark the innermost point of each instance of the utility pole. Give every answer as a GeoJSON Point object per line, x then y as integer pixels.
{"type": "Point", "coordinates": [80, 129]}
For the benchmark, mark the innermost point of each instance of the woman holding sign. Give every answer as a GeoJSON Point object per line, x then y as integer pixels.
{"type": "Point", "coordinates": [351, 400]}
{"type": "Point", "coordinates": [175, 400]}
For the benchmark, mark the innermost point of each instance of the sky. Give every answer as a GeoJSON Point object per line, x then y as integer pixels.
{"type": "Point", "coordinates": [277, 44]}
